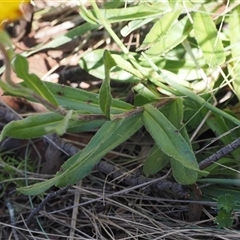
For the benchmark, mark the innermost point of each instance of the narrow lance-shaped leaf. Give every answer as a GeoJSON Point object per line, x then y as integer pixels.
{"type": "Point", "coordinates": [109, 136]}
{"type": "Point", "coordinates": [32, 81]}
{"type": "Point", "coordinates": [174, 113]}
{"type": "Point", "coordinates": [170, 141]}
{"type": "Point", "coordinates": [176, 34]}
{"type": "Point", "coordinates": [160, 29]}
{"type": "Point", "coordinates": [105, 97]}
{"type": "Point", "coordinates": [208, 39]}
{"type": "Point", "coordinates": [126, 65]}
{"type": "Point", "coordinates": [38, 188]}
{"type": "Point", "coordinates": [141, 11]}
{"type": "Point", "coordinates": [234, 36]}
{"type": "Point", "coordinates": [84, 101]}
{"type": "Point", "coordinates": [135, 24]}
{"type": "Point", "coordinates": [39, 125]}
{"type": "Point", "coordinates": [30, 127]}
{"type": "Point", "coordinates": [67, 37]}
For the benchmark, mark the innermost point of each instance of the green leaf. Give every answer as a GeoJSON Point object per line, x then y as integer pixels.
{"type": "Point", "coordinates": [174, 113]}
{"type": "Point", "coordinates": [6, 41]}
{"type": "Point", "coordinates": [135, 24]}
{"type": "Point", "coordinates": [208, 39]}
{"type": "Point", "coordinates": [146, 94]}
{"type": "Point", "coordinates": [176, 34]}
{"type": "Point", "coordinates": [62, 126]}
{"type": "Point", "coordinates": [42, 124]}
{"type": "Point", "coordinates": [9, 89]}
{"type": "Point", "coordinates": [77, 99]}
{"type": "Point", "coordinates": [226, 202]}
{"type": "Point", "coordinates": [155, 162]}
{"type": "Point", "coordinates": [162, 75]}
{"type": "Point", "coordinates": [234, 35]}
{"type": "Point", "coordinates": [109, 136]}
{"type": "Point", "coordinates": [81, 100]}
{"type": "Point", "coordinates": [126, 65]}
{"type": "Point", "coordinates": [30, 127]}
{"type": "Point", "coordinates": [67, 37]}
{"type": "Point", "coordinates": [32, 81]}
{"type": "Point", "coordinates": [141, 11]}
{"type": "Point", "coordinates": [77, 126]}
{"type": "Point", "coordinates": [171, 142]}
{"type": "Point", "coordinates": [160, 29]}
{"type": "Point", "coordinates": [105, 97]}
{"type": "Point", "coordinates": [182, 174]}
{"type": "Point", "coordinates": [224, 219]}
{"type": "Point", "coordinates": [88, 16]}
{"type": "Point", "coordinates": [93, 63]}
{"type": "Point", "coordinates": [38, 188]}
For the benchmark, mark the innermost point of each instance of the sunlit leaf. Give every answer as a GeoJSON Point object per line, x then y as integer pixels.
{"type": "Point", "coordinates": [141, 11]}
{"type": "Point", "coordinates": [160, 29]}
{"type": "Point", "coordinates": [62, 39]}
{"type": "Point", "coordinates": [176, 34]}
{"type": "Point", "coordinates": [145, 95]}
{"type": "Point", "coordinates": [135, 24]}
{"type": "Point", "coordinates": [208, 39]}
{"type": "Point", "coordinates": [234, 35]}
{"type": "Point", "coordinates": [31, 80]}
{"type": "Point", "coordinates": [92, 62]}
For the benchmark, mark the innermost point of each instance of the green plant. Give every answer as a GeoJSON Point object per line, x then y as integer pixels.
{"type": "Point", "coordinates": [169, 71]}
{"type": "Point", "coordinates": [12, 171]}
{"type": "Point", "coordinates": [225, 204]}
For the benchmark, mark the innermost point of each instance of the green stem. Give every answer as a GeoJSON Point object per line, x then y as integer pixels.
{"type": "Point", "coordinates": [131, 58]}
{"type": "Point", "coordinates": [109, 29]}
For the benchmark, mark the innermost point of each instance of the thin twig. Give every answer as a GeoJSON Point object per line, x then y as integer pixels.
{"type": "Point", "coordinates": [220, 154]}
{"type": "Point", "coordinates": [36, 210]}
{"type": "Point", "coordinates": [129, 179]}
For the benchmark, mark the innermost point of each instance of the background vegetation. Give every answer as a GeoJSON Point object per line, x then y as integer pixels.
{"type": "Point", "coordinates": [169, 84]}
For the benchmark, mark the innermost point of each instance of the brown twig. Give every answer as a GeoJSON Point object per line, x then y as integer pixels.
{"type": "Point", "coordinates": [36, 210]}
{"type": "Point", "coordinates": [220, 154]}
